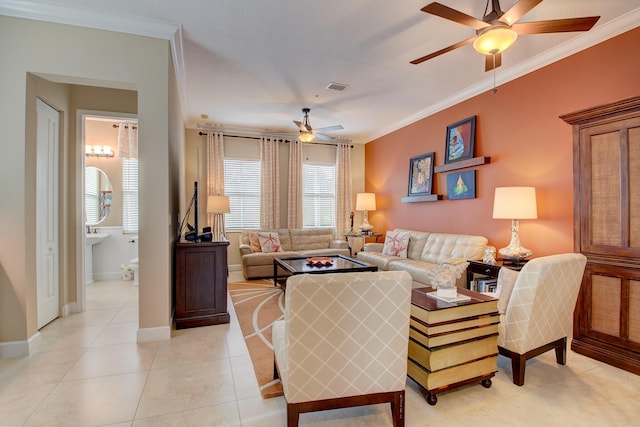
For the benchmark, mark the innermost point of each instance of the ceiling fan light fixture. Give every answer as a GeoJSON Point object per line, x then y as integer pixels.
{"type": "Point", "coordinates": [494, 40]}
{"type": "Point", "coordinates": [306, 136]}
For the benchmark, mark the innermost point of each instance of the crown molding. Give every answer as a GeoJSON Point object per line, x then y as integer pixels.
{"type": "Point", "coordinates": [597, 35]}
{"type": "Point", "coordinates": [109, 21]}
{"type": "Point", "coordinates": [83, 17]}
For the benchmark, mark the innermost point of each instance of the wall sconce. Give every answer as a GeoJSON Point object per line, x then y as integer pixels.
{"type": "Point", "coordinates": [515, 203]}
{"type": "Point", "coordinates": [99, 151]}
{"type": "Point", "coordinates": [218, 206]}
{"type": "Point", "coordinates": [366, 202]}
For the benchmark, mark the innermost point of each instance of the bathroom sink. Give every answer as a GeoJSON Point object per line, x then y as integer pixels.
{"type": "Point", "coordinates": [91, 239]}
{"type": "Point", "coordinates": [95, 238]}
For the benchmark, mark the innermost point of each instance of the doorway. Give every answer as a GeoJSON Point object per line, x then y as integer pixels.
{"type": "Point", "coordinates": [109, 241]}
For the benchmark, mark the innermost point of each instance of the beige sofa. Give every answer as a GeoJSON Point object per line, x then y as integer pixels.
{"type": "Point", "coordinates": [425, 252]}
{"type": "Point", "coordinates": [295, 242]}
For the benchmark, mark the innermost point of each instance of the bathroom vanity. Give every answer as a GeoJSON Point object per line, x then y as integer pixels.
{"type": "Point", "coordinates": [200, 285]}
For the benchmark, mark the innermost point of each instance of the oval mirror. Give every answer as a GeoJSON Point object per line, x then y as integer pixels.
{"type": "Point", "coordinates": [97, 195]}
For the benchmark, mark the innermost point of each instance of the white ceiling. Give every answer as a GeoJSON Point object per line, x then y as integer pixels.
{"type": "Point", "coordinates": [251, 64]}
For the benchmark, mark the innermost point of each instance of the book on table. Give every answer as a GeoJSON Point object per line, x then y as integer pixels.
{"type": "Point", "coordinates": [445, 377]}
{"type": "Point", "coordinates": [432, 311]}
{"type": "Point", "coordinates": [420, 332]}
{"type": "Point", "coordinates": [436, 358]}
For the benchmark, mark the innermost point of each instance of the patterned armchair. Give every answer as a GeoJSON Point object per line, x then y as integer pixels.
{"type": "Point", "coordinates": [343, 342]}
{"type": "Point", "coordinates": [536, 309]}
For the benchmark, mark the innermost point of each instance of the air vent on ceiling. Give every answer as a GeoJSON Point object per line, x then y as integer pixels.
{"type": "Point", "coordinates": [337, 86]}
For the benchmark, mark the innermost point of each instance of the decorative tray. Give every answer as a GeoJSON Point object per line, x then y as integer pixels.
{"type": "Point", "coordinates": [319, 261]}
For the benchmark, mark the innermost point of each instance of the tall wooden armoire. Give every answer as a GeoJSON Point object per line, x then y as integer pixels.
{"type": "Point", "coordinates": [606, 167]}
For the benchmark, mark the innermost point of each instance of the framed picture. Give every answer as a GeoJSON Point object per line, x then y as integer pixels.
{"type": "Point", "coordinates": [461, 185]}
{"type": "Point", "coordinates": [461, 138]}
{"type": "Point", "coordinates": [421, 174]}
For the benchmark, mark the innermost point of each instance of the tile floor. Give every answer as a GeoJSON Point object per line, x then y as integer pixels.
{"type": "Point", "coordinates": [91, 372]}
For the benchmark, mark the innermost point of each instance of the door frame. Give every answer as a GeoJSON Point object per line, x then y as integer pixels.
{"type": "Point", "coordinates": [81, 115]}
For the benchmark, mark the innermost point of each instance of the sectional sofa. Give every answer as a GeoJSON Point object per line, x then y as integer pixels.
{"type": "Point", "coordinates": [257, 260]}
{"type": "Point", "coordinates": [424, 253]}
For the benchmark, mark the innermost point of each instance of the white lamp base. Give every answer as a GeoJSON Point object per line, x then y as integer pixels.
{"type": "Point", "coordinates": [515, 251]}
{"type": "Point", "coordinates": [365, 226]}
{"type": "Point", "coordinates": [218, 227]}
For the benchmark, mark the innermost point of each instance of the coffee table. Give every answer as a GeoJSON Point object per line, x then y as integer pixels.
{"type": "Point", "coordinates": [298, 265]}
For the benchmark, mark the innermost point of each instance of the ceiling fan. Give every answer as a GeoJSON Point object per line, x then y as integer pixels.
{"type": "Point", "coordinates": [308, 134]}
{"type": "Point", "coordinates": [498, 30]}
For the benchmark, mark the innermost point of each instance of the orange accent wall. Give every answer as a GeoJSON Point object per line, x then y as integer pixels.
{"type": "Point", "coordinates": [520, 129]}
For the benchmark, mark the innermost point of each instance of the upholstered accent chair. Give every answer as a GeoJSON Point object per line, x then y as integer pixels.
{"type": "Point", "coordinates": [343, 342]}
{"type": "Point", "coordinates": [539, 309]}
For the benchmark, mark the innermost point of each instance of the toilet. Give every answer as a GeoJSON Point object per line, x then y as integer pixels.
{"type": "Point", "coordinates": [133, 265]}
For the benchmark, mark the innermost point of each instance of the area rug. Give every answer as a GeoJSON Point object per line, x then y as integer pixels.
{"type": "Point", "coordinates": [258, 304]}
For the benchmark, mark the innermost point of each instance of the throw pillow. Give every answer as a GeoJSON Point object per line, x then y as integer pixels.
{"type": "Point", "coordinates": [506, 280]}
{"type": "Point", "coordinates": [396, 243]}
{"type": "Point", "coordinates": [254, 242]}
{"type": "Point", "coordinates": [269, 242]}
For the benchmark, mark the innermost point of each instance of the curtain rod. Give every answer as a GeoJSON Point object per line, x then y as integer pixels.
{"type": "Point", "coordinates": [286, 141]}
{"type": "Point", "coordinates": [125, 126]}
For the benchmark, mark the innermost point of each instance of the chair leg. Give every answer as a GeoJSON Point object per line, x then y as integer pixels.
{"type": "Point", "coordinates": [561, 351]}
{"type": "Point", "coordinates": [518, 365]}
{"type": "Point", "coordinates": [397, 409]}
{"type": "Point", "coordinates": [293, 415]}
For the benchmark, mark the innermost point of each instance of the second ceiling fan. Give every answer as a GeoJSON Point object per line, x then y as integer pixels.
{"type": "Point", "coordinates": [498, 30]}
{"type": "Point", "coordinates": [308, 134]}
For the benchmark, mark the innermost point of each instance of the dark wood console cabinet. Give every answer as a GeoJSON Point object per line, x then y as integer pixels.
{"type": "Point", "coordinates": [200, 284]}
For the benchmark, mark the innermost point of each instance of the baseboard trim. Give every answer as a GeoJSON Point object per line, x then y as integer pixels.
{"type": "Point", "coordinates": [20, 348]}
{"type": "Point", "coordinates": [69, 309]}
{"type": "Point", "coordinates": [234, 267]}
{"type": "Point", "coordinates": [154, 334]}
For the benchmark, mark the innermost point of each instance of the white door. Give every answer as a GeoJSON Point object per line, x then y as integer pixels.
{"type": "Point", "coordinates": [48, 287]}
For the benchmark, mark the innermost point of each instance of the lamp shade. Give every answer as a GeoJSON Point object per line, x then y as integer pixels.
{"type": "Point", "coordinates": [494, 40]}
{"type": "Point", "coordinates": [218, 204]}
{"type": "Point", "coordinates": [515, 203]}
{"type": "Point", "coordinates": [366, 202]}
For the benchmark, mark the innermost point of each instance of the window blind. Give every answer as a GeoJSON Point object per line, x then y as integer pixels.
{"type": "Point", "coordinates": [91, 202]}
{"type": "Point", "coordinates": [318, 195]}
{"type": "Point", "coordinates": [130, 195]}
{"type": "Point", "coordinates": [242, 185]}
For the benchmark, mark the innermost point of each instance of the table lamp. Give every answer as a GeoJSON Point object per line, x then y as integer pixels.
{"type": "Point", "coordinates": [515, 203]}
{"type": "Point", "coordinates": [218, 206]}
{"type": "Point", "coordinates": [366, 202]}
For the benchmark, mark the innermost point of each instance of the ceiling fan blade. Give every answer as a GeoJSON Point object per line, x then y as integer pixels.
{"type": "Point", "coordinates": [301, 126]}
{"type": "Point", "coordinates": [324, 137]}
{"type": "Point", "coordinates": [518, 10]}
{"type": "Point", "coordinates": [445, 50]}
{"type": "Point", "coordinates": [330, 128]}
{"type": "Point", "coordinates": [453, 15]}
{"type": "Point", "coordinates": [492, 61]}
{"type": "Point", "coordinates": [556, 25]}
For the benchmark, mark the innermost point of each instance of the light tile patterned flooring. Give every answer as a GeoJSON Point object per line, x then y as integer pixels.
{"type": "Point", "coordinates": [91, 372]}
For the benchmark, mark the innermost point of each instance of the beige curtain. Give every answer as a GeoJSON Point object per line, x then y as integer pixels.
{"type": "Point", "coordinates": [294, 211]}
{"type": "Point", "coordinates": [215, 168]}
{"type": "Point", "coordinates": [270, 184]}
{"type": "Point", "coordinates": [343, 189]}
{"type": "Point", "coordinates": [127, 141]}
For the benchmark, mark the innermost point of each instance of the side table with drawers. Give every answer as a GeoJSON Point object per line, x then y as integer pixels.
{"type": "Point", "coordinates": [491, 270]}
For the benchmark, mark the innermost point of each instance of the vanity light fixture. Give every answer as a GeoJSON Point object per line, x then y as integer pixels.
{"type": "Point", "coordinates": [99, 151]}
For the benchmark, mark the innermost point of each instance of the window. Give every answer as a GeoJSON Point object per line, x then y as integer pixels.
{"type": "Point", "coordinates": [242, 185]}
{"type": "Point", "coordinates": [129, 195]}
{"type": "Point", "coordinates": [318, 195]}
{"type": "Point", "coordinates": [91, 196]}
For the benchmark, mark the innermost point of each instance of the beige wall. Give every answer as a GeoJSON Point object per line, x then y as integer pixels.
{"type": "Point", "coordinates": [74, 55]}
{"type": "Point", "coordinates": [240, 147]}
